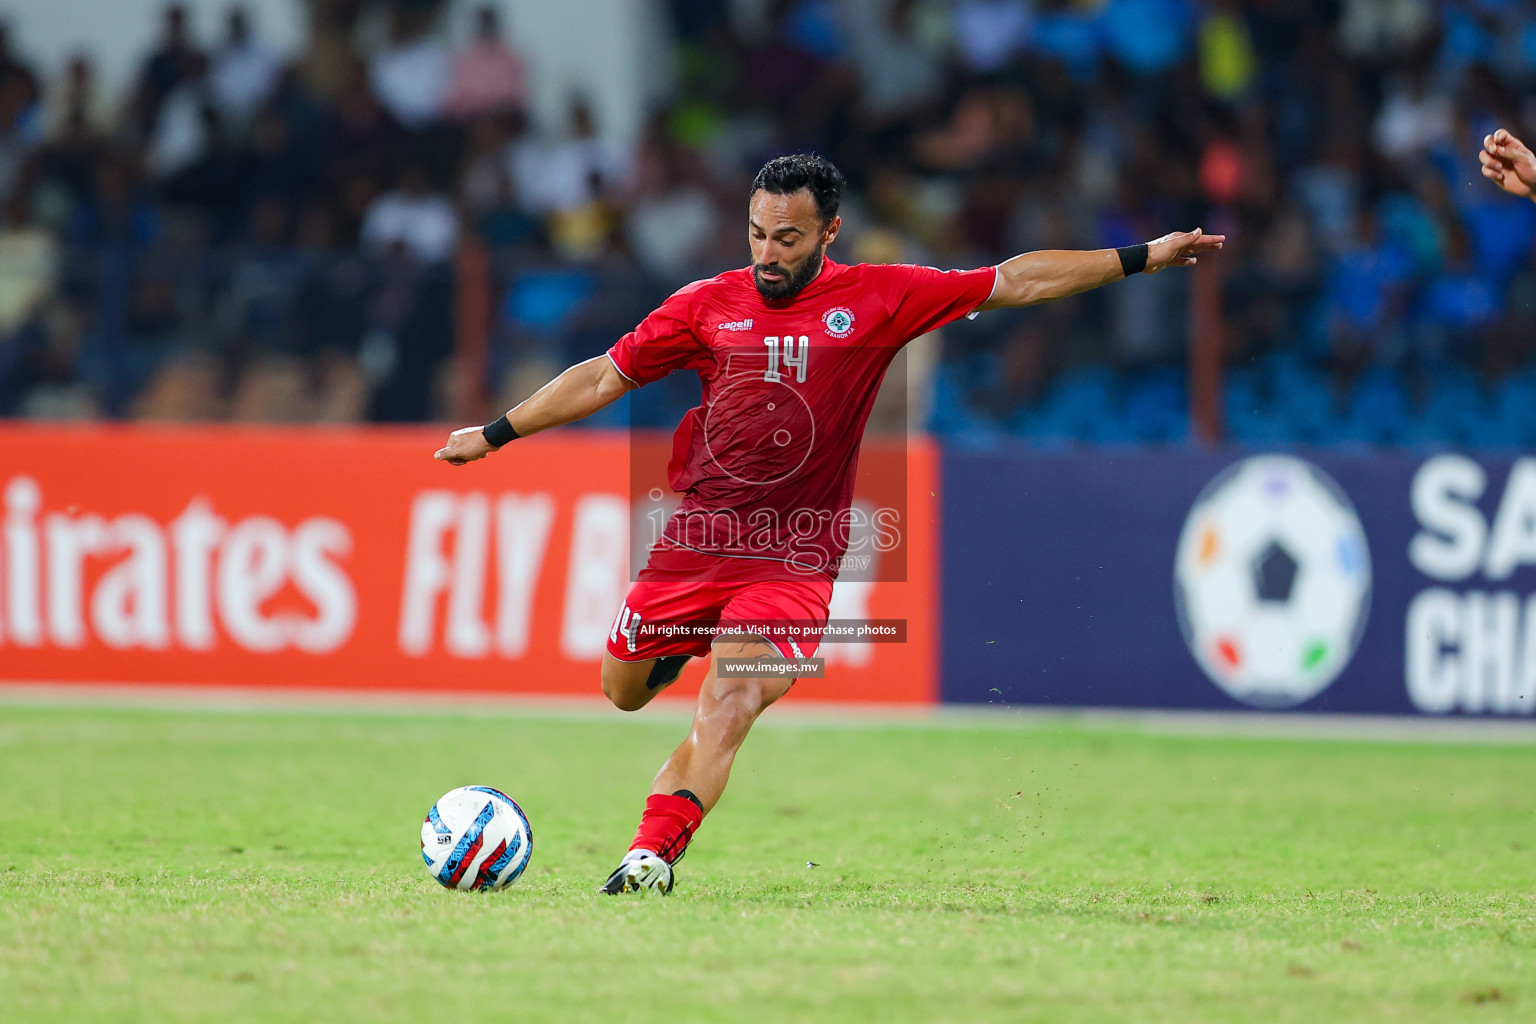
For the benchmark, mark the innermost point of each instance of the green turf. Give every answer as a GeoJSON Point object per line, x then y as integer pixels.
{"type": "Point", "coordinates": [170, 866]}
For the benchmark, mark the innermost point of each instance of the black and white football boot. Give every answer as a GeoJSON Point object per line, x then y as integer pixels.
{"type": "Point", "coordinates": [640, 869]}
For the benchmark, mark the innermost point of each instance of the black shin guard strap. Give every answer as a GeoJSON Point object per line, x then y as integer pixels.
{"type": "Point", "coordinates": [665, 671]}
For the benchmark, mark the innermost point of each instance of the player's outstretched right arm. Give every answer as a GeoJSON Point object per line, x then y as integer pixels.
{"type": "Point", "coordinates": [575, 394]}
{"type": "Point", "coordinates": [1509, 164]}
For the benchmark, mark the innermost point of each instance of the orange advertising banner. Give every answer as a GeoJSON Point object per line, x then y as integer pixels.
{"type": "Point", "coordinates": [347, 558]}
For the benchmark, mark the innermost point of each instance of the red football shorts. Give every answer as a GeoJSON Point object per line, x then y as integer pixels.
{"type": "Point", "coordinates": [683, 599]}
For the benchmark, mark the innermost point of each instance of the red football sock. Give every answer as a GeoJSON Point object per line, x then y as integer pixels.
{"type": "Point", "coordinates": [667, 825]}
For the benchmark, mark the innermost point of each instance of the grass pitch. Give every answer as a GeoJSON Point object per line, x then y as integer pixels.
{"type": "Point", "coordinates": [196, 865]}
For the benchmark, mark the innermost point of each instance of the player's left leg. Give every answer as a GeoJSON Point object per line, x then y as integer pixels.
{"type": "Point", "coordinates": [728, 706]}
{"type": "Point", "coordinates": [691, 782]}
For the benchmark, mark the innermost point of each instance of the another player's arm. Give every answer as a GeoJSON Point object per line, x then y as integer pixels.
{"type": "Point", "coordinates": [1509, 164]}
{"type": "Point", "coordinates": [1050, 274]}
{"type": "Point", "coordinates": [576, 394]}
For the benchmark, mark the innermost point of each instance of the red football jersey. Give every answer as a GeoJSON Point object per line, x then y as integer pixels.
{"type": "Point", "coordinates": [766, 462]}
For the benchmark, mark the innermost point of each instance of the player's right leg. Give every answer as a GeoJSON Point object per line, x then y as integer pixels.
{"type": "Point", "coordinates": [630, 685]}
{"type": "Point", "coordinates": [652, 639]}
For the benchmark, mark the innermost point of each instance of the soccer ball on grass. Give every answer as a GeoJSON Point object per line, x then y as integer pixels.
{"type": "Point", "coordinates": [476, 837]}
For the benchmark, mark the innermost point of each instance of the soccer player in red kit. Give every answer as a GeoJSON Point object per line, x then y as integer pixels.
{"type": "Point", "coordinates": [790, 351]}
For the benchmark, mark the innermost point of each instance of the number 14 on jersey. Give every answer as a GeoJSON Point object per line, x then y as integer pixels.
{"type": "Point", "coordinates": [792, 354]}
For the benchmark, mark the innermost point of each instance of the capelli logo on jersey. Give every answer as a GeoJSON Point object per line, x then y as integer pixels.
{"type": "Point", "coordinates": [736, 325]}
{"type": "Point", "coordinates": [838, 322]}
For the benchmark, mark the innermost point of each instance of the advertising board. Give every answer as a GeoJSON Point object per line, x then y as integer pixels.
{"type": "Point", "coordinates": [1374, 582]}
{"type": "Point", "coordinates": [348, 558]}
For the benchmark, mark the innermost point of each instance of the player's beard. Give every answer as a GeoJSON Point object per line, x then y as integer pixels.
{"type": "Point", "coordinates": [789, 287]}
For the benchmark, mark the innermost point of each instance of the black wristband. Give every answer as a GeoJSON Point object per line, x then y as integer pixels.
{"type": "Point", "coordinates": [499, 432]}
{"type": "Point", "coordinates": [1133, 258]}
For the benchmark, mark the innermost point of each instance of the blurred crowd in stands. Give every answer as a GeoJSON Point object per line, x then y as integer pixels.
{"type": "Point", "coordinates": [253, 235]}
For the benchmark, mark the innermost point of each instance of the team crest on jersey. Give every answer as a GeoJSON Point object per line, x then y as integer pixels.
{"type": "Point", "coordinates": [838, 322]}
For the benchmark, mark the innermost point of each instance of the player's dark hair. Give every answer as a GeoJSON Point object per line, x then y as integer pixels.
{"type": "Point", "coordinates": [786, 175]}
